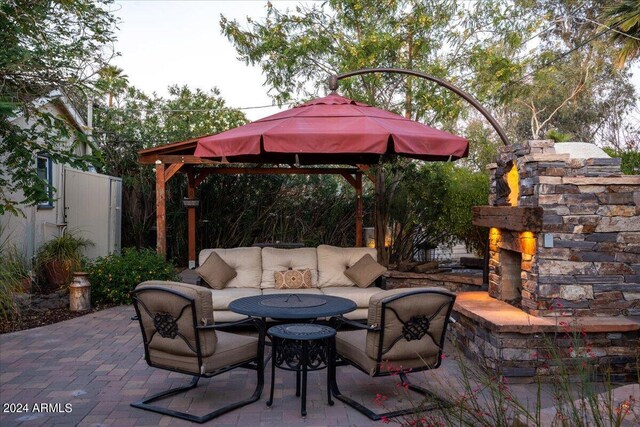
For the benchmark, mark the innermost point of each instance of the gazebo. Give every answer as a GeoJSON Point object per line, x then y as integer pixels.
{"type": "Point", "coordinates": [311, 138]}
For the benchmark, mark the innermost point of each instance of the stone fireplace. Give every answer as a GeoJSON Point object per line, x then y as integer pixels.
{"type": "Point", "coordinates": [574, 225]}
{"type": "Point", "coordinates": [564, 256]}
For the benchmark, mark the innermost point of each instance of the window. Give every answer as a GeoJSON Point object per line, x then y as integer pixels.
{"type": "Point", "coordinates": [43, 166]}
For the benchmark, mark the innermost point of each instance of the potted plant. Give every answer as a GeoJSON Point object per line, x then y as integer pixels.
{"type": "Point", "coordinates": [59, 257]}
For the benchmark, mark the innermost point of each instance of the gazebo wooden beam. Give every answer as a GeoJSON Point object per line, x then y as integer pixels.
{"type": "Point", "coordinates": [275, 171]}
{"type": "Point", "coordinates": [161, 210]}
{"type": "Point", "coordinates": [197, 169]}
{"type": "Point", "coordinates": [191, 220]}
{"type": "Point", "coordinates": [147, 159]}
{"type": "Point", "coordinates": [172, 170]}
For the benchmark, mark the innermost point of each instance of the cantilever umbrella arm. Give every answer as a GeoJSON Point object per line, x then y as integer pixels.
{"type": "Point", "coordinates": [333, 86]}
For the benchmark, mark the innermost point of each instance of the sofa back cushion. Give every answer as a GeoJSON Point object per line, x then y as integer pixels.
{"type": "Point", "coordinates": [247, 262]}
{"type": "Point", "coordinates": [333, 261]}
{"type": "Point", "coordinates": [275, 259]}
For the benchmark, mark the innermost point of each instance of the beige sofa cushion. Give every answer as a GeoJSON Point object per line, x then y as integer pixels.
{"type": "Point", "coordinates": [308, 291]}
{"type": "Point", "coordinates": [222, 297]}
{"type": "Point", "coordinates": [358, 295]}
{"type": "Point", "coordinates": [333, 261]}
{"type": "Point", "coordinates": [275, 259]}
{"type": "Point", "coordinates": [247, 262]}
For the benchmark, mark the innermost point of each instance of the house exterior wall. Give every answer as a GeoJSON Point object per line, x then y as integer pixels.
{"type": "Point", "coordinates": [38, 224]}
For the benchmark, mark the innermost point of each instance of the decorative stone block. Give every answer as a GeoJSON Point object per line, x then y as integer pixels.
{"type": "Point", "coordinates": [609, 224]}
{"type": "Point", "coordinates": [601, 237]}
{"type": "Point", "coordinates": [591, 189]}
{"type": "Point", "coordinates": [599, 279]}
{"type": "Point", "coordinates": [574, 244]}
{"type": "Point", "coordinates": [592, 256]}
{"type": "Point", "coordinates": [627, 258]}
{"type": "Point", "coordinates": [616, 198]}
{"type": "Point", "coordinates": [576, 292]}
{"type": "Point", "coordinates": [566, 267]}
{"type": "Point", "coordinates": [614, 268]}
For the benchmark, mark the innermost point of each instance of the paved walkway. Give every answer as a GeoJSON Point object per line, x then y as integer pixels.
{"type": "Point", "coordinates": [86, 371]}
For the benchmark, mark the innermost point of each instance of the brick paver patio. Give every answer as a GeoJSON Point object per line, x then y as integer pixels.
{"type": "Point", "coordinates": [94, 365]}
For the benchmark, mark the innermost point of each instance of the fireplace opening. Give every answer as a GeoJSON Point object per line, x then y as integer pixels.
{"type": "Point", "coordinates": [511, 280]}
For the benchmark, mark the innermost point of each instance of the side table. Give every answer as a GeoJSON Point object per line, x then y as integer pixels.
{"type": "Point", "coordinates": [302, 347]}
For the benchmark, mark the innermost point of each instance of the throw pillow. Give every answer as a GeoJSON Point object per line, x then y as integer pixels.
{"type": "Point", "coordinates": [215, 272]}
{"type": "Point", "coordinates": [364, 272]}
{"type": "Point", "coordinates": [293, 279]}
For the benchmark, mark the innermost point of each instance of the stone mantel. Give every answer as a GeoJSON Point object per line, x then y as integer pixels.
{"type": "Point", "coordinates": [514, 218]}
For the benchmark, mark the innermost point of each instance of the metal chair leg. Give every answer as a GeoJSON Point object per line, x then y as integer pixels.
{"type": "Point", "coordinates": [146, 403]}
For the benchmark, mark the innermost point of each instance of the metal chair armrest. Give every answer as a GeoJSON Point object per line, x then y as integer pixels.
{"type": "Point", "coordinates": [337, 321]}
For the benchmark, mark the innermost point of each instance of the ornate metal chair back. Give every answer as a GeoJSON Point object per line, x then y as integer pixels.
{"type": "Point", "coordinates": [411, 326]}
{"type": "Point", "coordinates": [169, 318]}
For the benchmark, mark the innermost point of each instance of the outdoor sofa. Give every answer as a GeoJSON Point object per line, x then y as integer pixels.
{"type": "Point", "coordinates": [255, 270]}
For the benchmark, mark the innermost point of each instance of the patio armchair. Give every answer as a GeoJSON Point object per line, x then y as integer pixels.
{"type": "Point", "coordinates": [179, 335]}
{"type": "Point", "coordinates": [405, 333]}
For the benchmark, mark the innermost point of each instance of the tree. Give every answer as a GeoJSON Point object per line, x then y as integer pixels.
{"type": "Point", "coordinates": [569, 86]}
{"type": "Point", "coordinates": [299, 49]}
{"type": "Point", "coordinates": [46, 46]}
{"type": "Point", "coordinates": [137, 121]}
{"type": "Point", "coordinates": [112, 81]}
{"type": "Point", "coordinates": [623, 17]}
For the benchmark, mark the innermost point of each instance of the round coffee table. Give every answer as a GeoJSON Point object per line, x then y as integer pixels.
{"type": "Point", "coordinates": [302, 347]}
{"type": "Point", "coordinates": [292, 306]}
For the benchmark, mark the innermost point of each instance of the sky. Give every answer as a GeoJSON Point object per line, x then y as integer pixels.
{"type": "Point", "coordinates": [179, 42]}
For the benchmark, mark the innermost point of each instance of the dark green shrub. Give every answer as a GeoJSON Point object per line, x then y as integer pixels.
{"type": "Point", "coordinates": [113, 277]}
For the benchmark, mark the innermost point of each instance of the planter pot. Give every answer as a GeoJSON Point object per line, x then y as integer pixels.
{"type": "Point", "coordinates": [57, 273]}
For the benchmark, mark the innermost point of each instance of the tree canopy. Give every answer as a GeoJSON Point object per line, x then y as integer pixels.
{"type": "Point", "coordinates": [543, 66]}
{"type": "Point", "coordinates": [56, 45]}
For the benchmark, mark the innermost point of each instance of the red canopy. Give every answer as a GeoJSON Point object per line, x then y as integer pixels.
{"type": "Point", "coordinates": [333, 129]}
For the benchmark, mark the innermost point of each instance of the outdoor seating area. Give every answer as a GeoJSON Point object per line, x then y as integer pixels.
{"type": "Point", "coordinates": [99, 370]}
{"type": "Point", "coordinates": [320, 213]}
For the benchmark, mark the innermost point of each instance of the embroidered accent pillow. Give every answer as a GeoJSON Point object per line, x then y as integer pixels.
{"type": "Point", "coordinates": [364, 272]}
{"type": "Point", "coordinates": [215, 272]}
{"type": "Point", "coordinates": [293, 279]}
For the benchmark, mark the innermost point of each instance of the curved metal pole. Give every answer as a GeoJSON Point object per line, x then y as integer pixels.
{"type": "Point", "coordinates": [333, 86]}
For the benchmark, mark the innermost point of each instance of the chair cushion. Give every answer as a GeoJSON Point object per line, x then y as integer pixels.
{"type": "Point", "coordinates": [247, 262]}
{"type": "Point", "coordinates": [232, 349]}
{"type": "Point", "coordinates": [351, 345]}
{"type": "Point", "coordinates": [293, 279]}
{"type": "Point", "coordinates": [221, 298]}
{"type": "Point", "coordinates": [276, 259]}
{"type": "Point", "coordinates": [333, 261]}
{"type": "Point", "coordinates": [215, 272]}
{"type": "Point", "coordinates": [408, 306]}
{"type": "Point", "coordinates": [364, 272]}
{"type": "Point", "coordinates": [358, 295]}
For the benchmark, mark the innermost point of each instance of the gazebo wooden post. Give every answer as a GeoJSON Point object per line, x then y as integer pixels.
{"type": "Point", "coordinates": [161, 215]}
{"type": "Point", "coordinates": [191, 220]}
{"type": "Point", "coordinates": [359, 208]}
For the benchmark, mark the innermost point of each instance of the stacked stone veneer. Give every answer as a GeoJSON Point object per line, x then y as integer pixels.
{"type": "Point", "coordinates": [591, 212]}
